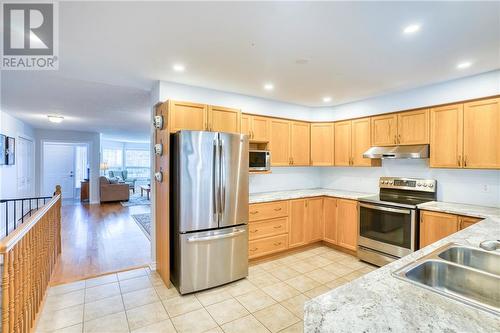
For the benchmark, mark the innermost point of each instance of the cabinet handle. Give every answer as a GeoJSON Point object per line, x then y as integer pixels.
{"type": "Point", "coordinates": [276, 244]}
{"type": "Point", "coordinates": [277, 226]}
{"type": "Point", "coordinates": [277, 209]}
{"type": "Point", "coordinates": [254, 231]}
{"type": "Point", "coordinates": [399, 138]}
{"type": "Point", "coordinates": [459, 160]}
{"type": "Point", "coordinates": [465, 160]}
{"type": "Point", "coordinates": [254, 212]}
{"type": "Point", "coordinates": [460, 220]}
{"type": "Point", "coordinates": [395, 139]}
{"type": "Point", "coordinates": [254, 249]}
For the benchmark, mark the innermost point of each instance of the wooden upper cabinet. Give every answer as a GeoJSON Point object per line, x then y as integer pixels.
{"type": "Point", "coordinates": [297, 222]}
{"type": "Point", "coordinates": [446, 136]}
{"type": "Point", "coordinates": [314, 222]}
{"type": "Point", "coordinates": [342, 149]}
{"type": "Point", "coordinates": [435, 226]}
{"type": "Point", "coordinates": [187, 116]}
{"type": "Point", "coordinates": [413, 127]}
{"type": "Point", "coordinates": [245, 125]}
{"type": "Point", "coordinates": [360, 143]}
{"type": "Point", "coordinates": [330, 220]}
{"type": "Point", "coordinates": [222, 119]}
{"type": "Point", "coordinates": [322, 144]}
{"type": "Point", "coordinates": [280, 142]}
{"type": "Point", "coordinates": [482, 134]}
{"type": "Point", "coordinates": [347, 223]}
{"type": "Point", "coordinates": [384, 130]}
{"type": "Point", "coordinates": [300, 143]}
{"type": "Point", "coordinates": [261, 129]}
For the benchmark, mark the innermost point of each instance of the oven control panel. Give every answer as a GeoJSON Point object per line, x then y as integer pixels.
{"type": "Point", "coordinates": [414, 184]}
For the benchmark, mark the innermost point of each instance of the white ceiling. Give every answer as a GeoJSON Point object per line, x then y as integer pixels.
{"type": "Point", "coordinates": [111, 53]}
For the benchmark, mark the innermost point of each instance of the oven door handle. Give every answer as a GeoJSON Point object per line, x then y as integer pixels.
{"type": "Point", "coordinates": [386, 209]}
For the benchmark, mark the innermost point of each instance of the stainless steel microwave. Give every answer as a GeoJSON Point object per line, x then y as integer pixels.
{"type": "Point", "coordinates": [259, 160]}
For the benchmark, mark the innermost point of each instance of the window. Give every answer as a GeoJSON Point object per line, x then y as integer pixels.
{"type": "Point", "coordinates": [137, 158]}
{"type": "Point", "coordinates": [113, 157]}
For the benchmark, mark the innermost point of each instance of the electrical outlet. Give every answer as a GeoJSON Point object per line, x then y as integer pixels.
{"type": "Point", "coordinates": [485, 188]}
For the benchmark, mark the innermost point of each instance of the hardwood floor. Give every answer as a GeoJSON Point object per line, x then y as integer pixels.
{"type": "Point", "coordinates": [98, 239]}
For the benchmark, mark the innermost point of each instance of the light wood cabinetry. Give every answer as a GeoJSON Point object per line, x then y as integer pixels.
{"type": "Point", "coordinates": [187, 116]}
{"type": "Point", "coordinates": [347, 224]}
{"type": "Point", "coordinates": [257, 128]}
{"type": "Point", "coordinates": [434, 226]}
{"type": "Point", "coordinates": [314, 222]}
{"type": "Point", "coordinates": [446, 137]}
{"type": "Point", "coordinates": [384, 130]}
{"type": "Point", "coordinates": [267, 228]}
{"type": "Point", "coordinates": [466, 135]}
{"type": "Point", "coordinates": [265, 246]}
{"type": "Point", "coordinates": [322, 144]}
{"type": "Point", "coordinates": [482, 134]}
{"type": "Point", "coordinates": [267, 210]}
{"type": "Point", "coordinates": [222, 119]}
{"type": "Point", "coordinates": [299, 143]}
{"type": "Point", "coordinates": [343, 143]}
{"type": "Point", "coordinates": [467, 221]}
{"type": "Point", "coordinates": [297, 222]}
{"type": "Point", "coordinates": [245, 125]}
{"type": "Point", "coordinates": [330, 220]}
{"type": "Point", "coordinates": [280, 142]}
{"type": "Point", "coordinates": [413, 127]}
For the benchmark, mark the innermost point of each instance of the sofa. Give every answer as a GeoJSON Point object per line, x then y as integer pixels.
{"type": "Point", "coordinates": [123, 176]}
{"type": "Point", "coordinates": [111, 191]}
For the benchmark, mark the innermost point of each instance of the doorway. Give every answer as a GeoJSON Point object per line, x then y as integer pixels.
{"type": "Point", "coordinates": [64, 164]}
{"type": "Point", "coordinates": [25, 158]}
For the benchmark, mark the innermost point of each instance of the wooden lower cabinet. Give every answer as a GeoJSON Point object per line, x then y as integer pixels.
{"type": "Point", "coordinates": [347, 223]}
{"type": "Point", "coordinates": [261, 247]}
{"type": "Point", "coordinates": [267, 228]}
{"type": "Point", "coordinates": [467, 221]}
{"type": "Point", "coordinates": [296, 236]}
{"type": "Point", "coordinates": [267, 210]}
{"type": "Point", "coordinates": [314, 221]}
{"type": "Point", "coordinates": [434, 226]}
{"type": "Point", "coordinates": [330, 220]}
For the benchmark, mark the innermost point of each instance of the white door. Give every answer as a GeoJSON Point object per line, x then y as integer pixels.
{"type": "Point", "coordinates": [59, 169]}
{"type": "Point", "coordinates": [24, 156]}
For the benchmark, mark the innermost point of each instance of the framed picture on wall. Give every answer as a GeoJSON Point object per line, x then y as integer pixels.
{"type": "Point", "coordinates": [11, 151]}
{"type": "Point", "coordinates": [3, 149]}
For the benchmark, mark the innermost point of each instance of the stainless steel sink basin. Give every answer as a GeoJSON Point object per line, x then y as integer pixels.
{"type": "Point", "coordinates": [466, 274]}
{"type": "Point", "coordinates": [475, 258]}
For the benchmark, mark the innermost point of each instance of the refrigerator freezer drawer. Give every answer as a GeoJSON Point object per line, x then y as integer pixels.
{"type": "Point", "coordinates": [211, 258]}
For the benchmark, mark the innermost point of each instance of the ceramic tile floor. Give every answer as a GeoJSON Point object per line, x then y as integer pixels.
{"type": "Point", "coordinates": [271, 299]}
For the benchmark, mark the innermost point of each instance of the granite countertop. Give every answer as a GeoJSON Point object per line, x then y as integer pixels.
{"type": "Point", "coordinates": [461, 209]}
{"type": "Point", "coordinates": [296, 194]}
{"type": "Point", "coordinates": [379, 302]}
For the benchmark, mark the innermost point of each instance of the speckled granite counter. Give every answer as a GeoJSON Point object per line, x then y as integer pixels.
{"type": "Point", "coordinates": [379, 302]}
{"type": "Point", "coordinates": [461, 209]}
{"type": "Point", "coordinates": [296, 194]}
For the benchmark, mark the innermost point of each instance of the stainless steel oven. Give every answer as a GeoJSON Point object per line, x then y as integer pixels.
{"type": "Point", "coordinates": [259, 160]}
{"type": "Point", "coordinates": [388, 227]}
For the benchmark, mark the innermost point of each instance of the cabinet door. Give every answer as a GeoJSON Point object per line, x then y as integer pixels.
{"type": "Point", "coordinates": [187, 116]}
{"type": "Point", "coordinates": [467, 221]}
{"type": "Point", "coordinates": [322, 144]}
{"type": "Point", "coordinates": [297, 222]}
{"type": "Point", "coordinates": [261, 129]}
{"type": "Point", "coordinates": [330, 220]}
{"type": "Point", "coordinates": [347, 223]}
{"type": "Point", "coordinates": [413, 127]}
{"type": "Point", "coordinates": [343, 143]}
{"type": "Point", "coordinates": [223, 119]}
{"type": "Point", "coordinates": [361, 143]}
{"type": "Point", "coordinates": [280, 142]}
{"type": "Point", "coordinates": [384, 130]}
{"type": "Point", "coordinates": [446, 127]}
{"type": "Point", "coordinates": [314, 221]}
{"type": "Point", "coordinates": [245, 125]}
{"type": "Point", "coordinates": [482, 134]}
{"type": "Point", "coordinates": [435, 226]}
{"type": "Point", "coordinates": [300, 143]}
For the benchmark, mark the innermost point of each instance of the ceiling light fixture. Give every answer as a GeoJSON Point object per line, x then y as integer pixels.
{"type": "Point", "coordinates": [55, 119]}
{"type": "Point", "coordinates": [269, 86]}
{"type": "Point", "coordinates": [178, 67]}
{"type": "Point", "coordinates": [412, 28]}
{"type": "Point", "coordinates": [327, 99]}
{"type": "Point", "coordinates": [464, 65]}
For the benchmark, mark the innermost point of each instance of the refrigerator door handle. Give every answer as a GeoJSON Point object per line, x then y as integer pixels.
{"type": "Point", "coordinates": [215, 180]}
{"type": "Point", "coordinates": [214, 237]}
{"type": "Point", "coordinates": [222, 179]}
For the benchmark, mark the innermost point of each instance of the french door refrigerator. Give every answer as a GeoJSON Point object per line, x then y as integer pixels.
{"type": "Point", "coordinates": [209, 209]}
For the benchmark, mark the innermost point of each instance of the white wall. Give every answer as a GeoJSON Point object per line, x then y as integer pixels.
{"type": "Point", "coordinates": [91, 138]}
{"type": "Point", "coordinates": [15, 128]}
{"type": "Point", "coordinates": [284, 178]}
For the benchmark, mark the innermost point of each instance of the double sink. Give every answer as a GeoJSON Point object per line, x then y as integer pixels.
{"type": "Point", "coordinates": [467, 274]}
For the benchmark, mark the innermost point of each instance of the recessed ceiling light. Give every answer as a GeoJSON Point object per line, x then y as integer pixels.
{"type": "Point", "coordinates": [179, 68]}
{"type": "Point", "coordinates": [327, 99]}
{"type": "Point", "coordinates": [269, 86]}
{"type": "Point", "coordinates": [412, 28]}
{"type": "Point", "coordinates": [464, 65]}
{"type": "Point", "coordinates": [55, 119]}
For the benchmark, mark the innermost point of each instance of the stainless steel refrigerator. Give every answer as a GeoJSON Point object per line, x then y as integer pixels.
{"type": "Point", "coordinates": [209, 209]}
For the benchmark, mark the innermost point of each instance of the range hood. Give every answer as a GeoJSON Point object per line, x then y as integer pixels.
{"type": "Point", "coordinates": [408, 152]}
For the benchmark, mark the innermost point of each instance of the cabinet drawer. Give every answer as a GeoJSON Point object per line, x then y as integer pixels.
{"type": "Point", "coordinates": [267, 228]}
{"type": "Point", "coordinates": [260, 247]}
{"type": "Point", "coordinates": [266, 211]}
